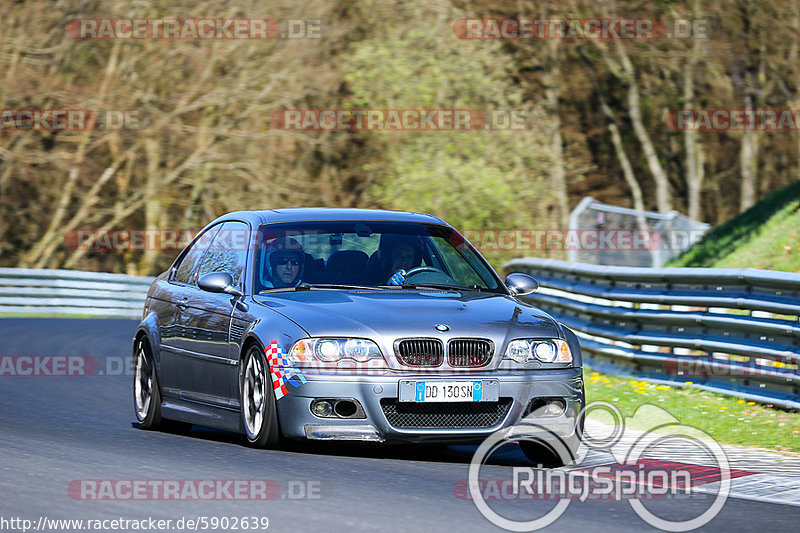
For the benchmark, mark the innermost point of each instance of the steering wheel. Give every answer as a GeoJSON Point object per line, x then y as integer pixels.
{"type": "Point", "coordinates": [421, 269]}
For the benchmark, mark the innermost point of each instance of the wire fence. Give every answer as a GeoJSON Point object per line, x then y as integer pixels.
{"type": "Point", "coordinates": [667, 235]}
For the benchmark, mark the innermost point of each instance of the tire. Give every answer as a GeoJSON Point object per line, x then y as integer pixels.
{"type": "Point", "coordinates": [146, 393]}
{"type": "Point", "coordinates": [257, 399]}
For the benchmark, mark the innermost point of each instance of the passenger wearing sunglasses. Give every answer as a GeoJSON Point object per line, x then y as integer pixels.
{"type": "Point", "coordinates": [286, 261]}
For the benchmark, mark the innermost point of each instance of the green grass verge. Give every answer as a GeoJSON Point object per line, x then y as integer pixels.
{"type": "Point", "coordinates": [765, 236]}
{"type": "Point", "coordinates": [727, 419]}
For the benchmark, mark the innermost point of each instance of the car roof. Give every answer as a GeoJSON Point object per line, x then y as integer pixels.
{"type": "Point", "coordinates": [302, 214]}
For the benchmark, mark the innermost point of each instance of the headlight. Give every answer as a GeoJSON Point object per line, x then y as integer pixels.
{"type": "Point", "coordinates": [519, 351]}
{"type": "Point", "coordinates": [546, 351]}
{"type": "Point", "coordinates": [333, 350]}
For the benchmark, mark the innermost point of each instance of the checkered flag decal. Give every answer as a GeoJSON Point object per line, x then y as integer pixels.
{"type": "Point", "coordinates": [283, 373]}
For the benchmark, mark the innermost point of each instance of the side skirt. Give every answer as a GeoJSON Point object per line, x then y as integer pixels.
{"type": "Point", "coordinates": [202, 414]}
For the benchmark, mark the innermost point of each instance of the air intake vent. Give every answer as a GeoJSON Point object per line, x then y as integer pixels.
{"type": "Point", "coordinates": [469, 352]}
{"type": "Point", "coordinates": [420, 352]}
{"type": "Point", "coordinates": [237, 332]}
{"type": "Point", "coordinates": [445, 415]}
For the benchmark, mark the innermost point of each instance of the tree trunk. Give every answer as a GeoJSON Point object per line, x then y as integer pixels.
{"type": "Point", "coordinates": [694, 157]}
{"type": "Point", "coordinates": [627, 168]}
{"type": "Point", "coordinates": [748, 163]}
{"type": "Point", "coordinates": [663, 195]}
{"type": "Point", "coordinates": [552, 92]}
{"type": "Point", "coordinates": [152, 208]}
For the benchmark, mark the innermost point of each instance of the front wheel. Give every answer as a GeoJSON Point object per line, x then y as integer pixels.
{"type": "Point", "coordinates": [259, 413]}
{"type": "Point", "coordinates": [146, 396]}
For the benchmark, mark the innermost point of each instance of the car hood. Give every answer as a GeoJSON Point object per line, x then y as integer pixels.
{"type": "Point", "coordinates": [410, 313]}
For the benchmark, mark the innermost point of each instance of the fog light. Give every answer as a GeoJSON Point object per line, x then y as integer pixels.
{"type": "Point", "coordinates": [546, 407]}
{"type": "Point", "coordinates": [554, 408]}
{"type": "Point", "coordinates": [322, 408]}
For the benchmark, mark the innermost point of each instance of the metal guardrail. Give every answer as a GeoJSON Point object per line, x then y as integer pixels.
{"type": "Point", "coordinates": [734, 331]}
{"type": "Point", "coordinates": [44, 292]}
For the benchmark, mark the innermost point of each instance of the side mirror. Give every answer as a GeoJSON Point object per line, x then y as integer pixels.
{"type": "Point", "coordinates": [521, 284]}
{"type": "Point", "coordinates": [220, 282]}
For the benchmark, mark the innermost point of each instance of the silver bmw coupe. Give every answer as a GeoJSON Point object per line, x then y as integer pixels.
{"type": "Point", "coordinates": [350, 324]}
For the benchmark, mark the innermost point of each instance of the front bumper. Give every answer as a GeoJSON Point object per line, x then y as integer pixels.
{"type": "Point", "coordinates": [519, 388]}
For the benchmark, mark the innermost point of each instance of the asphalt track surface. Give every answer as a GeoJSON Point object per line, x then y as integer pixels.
{"type": "Point", "coordinates": [55, 430]}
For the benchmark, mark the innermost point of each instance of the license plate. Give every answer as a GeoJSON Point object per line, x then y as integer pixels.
{"type": "Point", "coordinates": [448, 391]}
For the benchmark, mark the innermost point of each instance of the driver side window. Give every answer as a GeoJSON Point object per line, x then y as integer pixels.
{"type": "Point", "coordinates": [228, 252]}
{"type": "Point", "coordinates": [186, 270]}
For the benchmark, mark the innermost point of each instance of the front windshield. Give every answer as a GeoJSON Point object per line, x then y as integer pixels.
{"type": "Point", "coordinates": [368, 254]}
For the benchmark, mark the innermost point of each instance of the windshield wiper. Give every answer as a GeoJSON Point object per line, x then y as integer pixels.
{"type": "Point", "coordinates": [440, 286]}
{"type": "Point", "coordinates": [309, 286]}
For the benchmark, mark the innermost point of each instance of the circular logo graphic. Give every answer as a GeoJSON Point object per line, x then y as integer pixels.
{"type": "Point", "coordinates": [442, 327]}
{"type": "Point", "coordinates": [626, 454]}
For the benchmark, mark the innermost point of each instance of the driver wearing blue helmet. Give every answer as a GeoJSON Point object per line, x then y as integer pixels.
{"type": "Point", "coordinates": [285, 261]}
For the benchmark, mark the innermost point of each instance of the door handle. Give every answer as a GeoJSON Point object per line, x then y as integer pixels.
{"type": "Point", "coordinates": [183, 304]}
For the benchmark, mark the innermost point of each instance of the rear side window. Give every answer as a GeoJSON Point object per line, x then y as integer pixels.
{"type": "Point", "coordinates": [227, 253]}
{"type": "Point", "coordinates": [186, 271]}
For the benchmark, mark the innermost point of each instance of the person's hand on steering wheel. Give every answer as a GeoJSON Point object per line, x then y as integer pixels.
{"type": "Point", "coordinates": [398, 278]}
